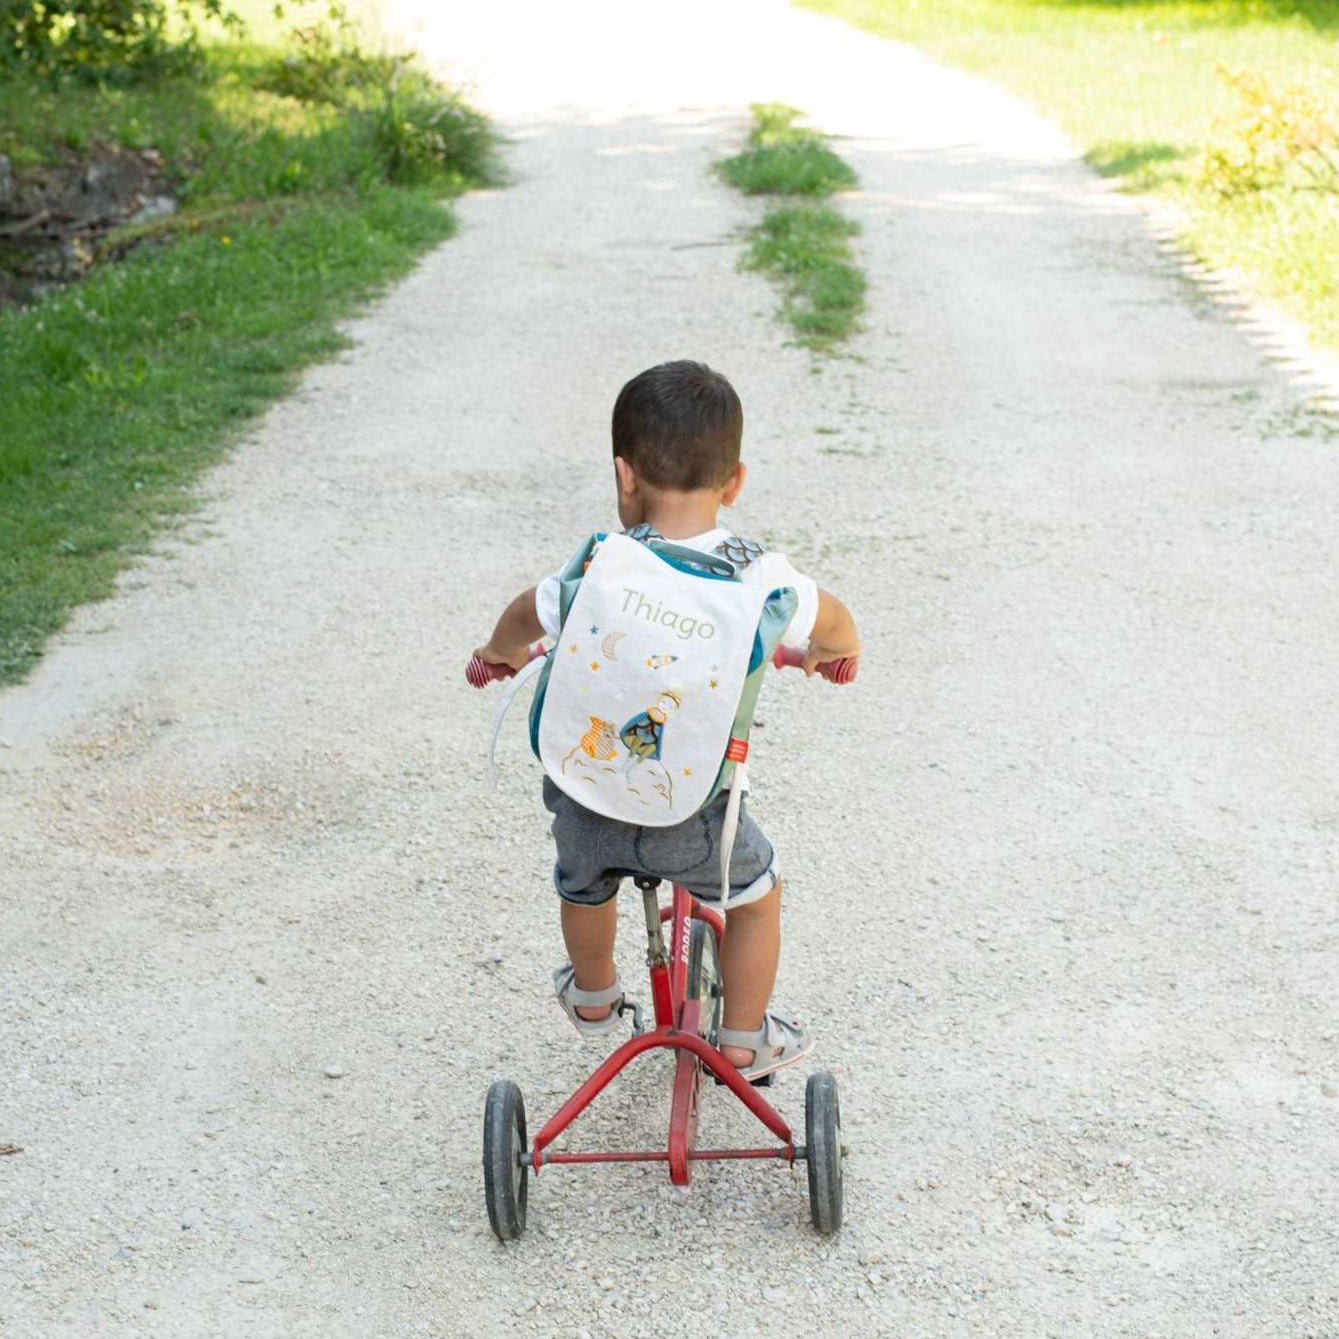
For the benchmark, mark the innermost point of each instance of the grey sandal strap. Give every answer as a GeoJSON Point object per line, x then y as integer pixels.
{"type": "Point", "coordinates": [571, 997]}
{"type": "Point", "coordinates": [779, 1042]}
{"type": "Point", "coordinates": [591, 999]}
{"type": "Point", "coordinates": [733, 1036]}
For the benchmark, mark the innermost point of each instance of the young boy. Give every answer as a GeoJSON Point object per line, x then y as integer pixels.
{"type": "Point", "coordinates": [677, 430]}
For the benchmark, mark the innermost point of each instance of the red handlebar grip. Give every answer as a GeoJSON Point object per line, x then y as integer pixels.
{"type": "Point", "coordinates": [834, 671]}
{"type": "Point", "coordinates": [479, 673]}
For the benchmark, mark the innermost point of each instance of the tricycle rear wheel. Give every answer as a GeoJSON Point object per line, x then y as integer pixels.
{"type": "Point", "coordinates": [823, 1154]}
{"type": "Point", "coordinates": [506, 1173]}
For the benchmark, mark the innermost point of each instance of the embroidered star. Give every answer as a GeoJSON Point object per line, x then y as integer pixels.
{"type": "Point", "coordinates": [713, 683]}
{"type": "Point", "coordinates": [594, 632]}
{"type": "Point", "coordinates": [688, 771]}
{"type": "Point", "coordinates": [595, 664]}
{"type": "Point", "coordinates": [573, 648]}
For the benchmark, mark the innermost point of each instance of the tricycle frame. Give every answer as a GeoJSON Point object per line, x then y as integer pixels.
{"type": "Point", "coordinates": [679, 1027]}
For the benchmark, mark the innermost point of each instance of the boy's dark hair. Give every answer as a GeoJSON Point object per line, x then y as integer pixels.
{"type": "Point", "coordinates": [679, 425]}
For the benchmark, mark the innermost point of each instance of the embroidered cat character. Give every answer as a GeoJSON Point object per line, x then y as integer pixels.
{"type": "Point", "coordinates": [600, 744]}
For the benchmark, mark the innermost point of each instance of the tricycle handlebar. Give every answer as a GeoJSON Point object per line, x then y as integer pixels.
{"type": "Point", "coordinates": [479, 673]}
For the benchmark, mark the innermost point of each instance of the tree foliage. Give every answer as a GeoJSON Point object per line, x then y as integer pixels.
{"type": "Point", "coordinates": [103, 40]}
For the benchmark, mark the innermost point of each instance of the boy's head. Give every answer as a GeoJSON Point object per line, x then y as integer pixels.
{"type": "Point", "coordinates": [679, 426]}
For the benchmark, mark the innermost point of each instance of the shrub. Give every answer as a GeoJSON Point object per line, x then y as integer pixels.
{"type": "Point", "coordinates": [326, 63]}
{"type": "Point", "coordinates": [422, 132]}
{"type": "Point", "coordinates": [1277, 138]}
{"type": "Point", "coordinates": [416, 130]}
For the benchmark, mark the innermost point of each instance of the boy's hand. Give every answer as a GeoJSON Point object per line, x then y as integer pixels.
{"type": "Point", "coordinates": [490, 655]}
{"type": "Point", "coordinates": [821, 655]}
{"type": "Point", "coordinates": [517, 629]}
{"type": "Point", "coordinates": [834, 636]}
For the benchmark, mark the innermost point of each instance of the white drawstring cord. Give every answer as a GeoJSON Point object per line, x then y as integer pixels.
{"type": "Point", "coordinates": [729, 827]}
{"type": "Point", "coordinates": [505, 701]}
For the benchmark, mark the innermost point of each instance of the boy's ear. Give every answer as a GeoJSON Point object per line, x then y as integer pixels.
{"type": "Point", "coordinates": [734, 485]}
{"type": "Point", "coordinates": [626, 477]}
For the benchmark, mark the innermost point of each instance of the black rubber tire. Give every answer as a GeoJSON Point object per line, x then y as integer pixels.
{"type": "Point", "coordinates": [704, 977]}
{"type": "Point", "coordinates": [823, 1154]}
{"type": "Point", "coordinates": [506, 1176]}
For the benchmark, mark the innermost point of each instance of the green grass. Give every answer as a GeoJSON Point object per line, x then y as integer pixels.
{"type": "Point", "coordinates": [804, 246]}
{"type": "Point", "coordinates": [792, 169]}
{"type": "Point", "coordinates": [806, 249]}
{"type": "Point", "coordinates": [785, 159]}
{"type": "Point", "coordinates": [119, 390]}
{"type": "Point", "coordinates": [1137, 84]}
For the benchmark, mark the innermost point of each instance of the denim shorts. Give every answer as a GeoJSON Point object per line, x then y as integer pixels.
{"type": "Point", "coordinates": [595, 853]}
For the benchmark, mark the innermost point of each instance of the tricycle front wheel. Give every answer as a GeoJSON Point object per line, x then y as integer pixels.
{"type": "Point", "coordinates": [506, 1173]}
{"type": "Point", "coordinates": [704, 979]}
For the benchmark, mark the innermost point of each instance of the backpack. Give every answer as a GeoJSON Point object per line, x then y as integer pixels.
{"type": "Point", "coordinates": [644, 704]}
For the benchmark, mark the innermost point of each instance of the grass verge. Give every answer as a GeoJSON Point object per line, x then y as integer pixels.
{"type": "Point", "coordinates": [1146, 89]}
{"type": "Point", "coordinates": [803, 245]}
{"type": "Point", "coordinates": [307, 181]}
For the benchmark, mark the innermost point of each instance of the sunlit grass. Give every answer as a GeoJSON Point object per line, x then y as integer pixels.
{"type": "Point", "coordinates": [1137, 86]}
{"type": "Point", "coordinates": [120, 389]}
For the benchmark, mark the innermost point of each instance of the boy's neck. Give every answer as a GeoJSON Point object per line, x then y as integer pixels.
{"type": "Point", "coordinates": [678, 515]}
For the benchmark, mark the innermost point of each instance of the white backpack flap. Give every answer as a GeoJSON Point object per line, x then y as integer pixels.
{"type": "Point", "coordinates": [645, 680]}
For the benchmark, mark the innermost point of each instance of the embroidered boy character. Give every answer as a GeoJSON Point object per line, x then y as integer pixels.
{"type": "Point", "coordinates": [644, 734]}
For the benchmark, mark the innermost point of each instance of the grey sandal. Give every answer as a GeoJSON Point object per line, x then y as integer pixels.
{"type": "Point", "coordinates": [779, 1042]}
{"type": "Point", "coordinates": [572, 997]}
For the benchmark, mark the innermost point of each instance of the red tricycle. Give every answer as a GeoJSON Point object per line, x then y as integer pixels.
{"type": "Point", "coordinates": [686, 996]}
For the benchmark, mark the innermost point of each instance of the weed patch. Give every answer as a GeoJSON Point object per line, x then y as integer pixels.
{"type": "Point", "coordinates": [785, 159]}
{"type": "Point", "coordinates": [807, 249]}
{"type": "Point", "coordinates": [804, 246]}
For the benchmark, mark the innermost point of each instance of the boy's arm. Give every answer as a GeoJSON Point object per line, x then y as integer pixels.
{"type": "Point", "coordinates": [834, 636]}
{"type": "Point", "coordinates": [516, 630]}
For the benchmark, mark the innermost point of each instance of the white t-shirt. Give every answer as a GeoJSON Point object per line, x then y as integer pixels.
{"type": "Point", "coordinates": [772, 570]}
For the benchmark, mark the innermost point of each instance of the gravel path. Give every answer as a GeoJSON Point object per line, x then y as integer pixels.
{"type": "Point", "coordinates": [1061, 867]}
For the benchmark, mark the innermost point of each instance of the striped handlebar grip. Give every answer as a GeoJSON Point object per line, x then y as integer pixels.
{"type": "Point", "coordinates": [834, 671]}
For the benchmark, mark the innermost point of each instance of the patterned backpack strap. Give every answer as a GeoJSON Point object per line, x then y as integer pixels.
{"type": "Point", "coordinates": [742, 552]}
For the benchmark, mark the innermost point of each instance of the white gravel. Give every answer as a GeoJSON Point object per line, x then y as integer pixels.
{"type": "Point", "coordinates": [1061, 867]}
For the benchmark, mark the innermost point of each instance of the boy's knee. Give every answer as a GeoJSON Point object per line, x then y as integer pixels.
{"type": "Point", "coordinates": [761, 907]}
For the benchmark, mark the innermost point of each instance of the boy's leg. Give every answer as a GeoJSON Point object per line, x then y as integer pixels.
{"type": "Point", "coordinates": [589, 934]}
{"type": "Point", "coordinates": [749, 956]}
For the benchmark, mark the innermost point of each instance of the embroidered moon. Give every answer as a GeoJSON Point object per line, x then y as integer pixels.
{"type": "Point", "coordinates": [610, 644]}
